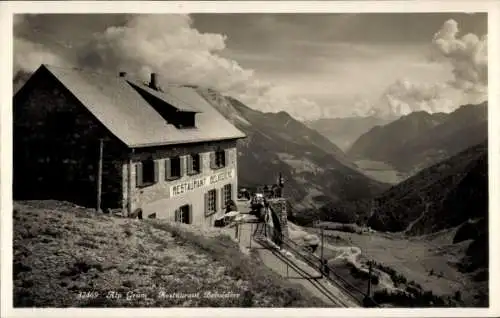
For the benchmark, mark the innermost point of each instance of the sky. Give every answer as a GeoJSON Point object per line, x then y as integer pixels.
{"type": "Point", "coordinates": [310, 65]}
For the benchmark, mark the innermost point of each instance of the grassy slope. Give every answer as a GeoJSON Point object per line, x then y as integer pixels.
{"type": "Point", "coordinates": [61, 250]}
{"type": "Point", "coordinates": [440, 197]}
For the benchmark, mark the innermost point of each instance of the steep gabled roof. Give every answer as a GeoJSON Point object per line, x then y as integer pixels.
{"type": "Point", "coordinates": [119, 107]}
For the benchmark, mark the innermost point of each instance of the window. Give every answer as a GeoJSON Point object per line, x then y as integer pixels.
{"type": "Point", "coordinates": [194, 164]}
{"type": "Point", "coordinates": [183, 214]}
{"type": "Point", "coordinates": [210, 202]}
{"type": "Point", "coordinates": [183, 120]}
{"type": "Point", "coordinates": [218, 159]}
{"type": "Point", "coordinates": [173, 168]}
{"type": "Point", "coordinates": [227, 193]}
{"type": "Point", "coordinates": [146, 173]}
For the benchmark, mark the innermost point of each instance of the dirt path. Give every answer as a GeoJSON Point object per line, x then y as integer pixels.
{"type": "Point", "coordinates": [349, 253]}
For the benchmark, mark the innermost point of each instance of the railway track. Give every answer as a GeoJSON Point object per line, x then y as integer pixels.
{"type": "Point", "coordinates": [320, 283]}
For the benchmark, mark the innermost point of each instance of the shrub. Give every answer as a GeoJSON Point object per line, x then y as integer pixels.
{"type": "Point", "coordinates": [361, 274]}
{"type": "Point", "coordinates": [395, 277]}
{"type": "Point", "coordinates": [20, 267]}
{"type": "Point", "coordinates": [79, 267]}
{"type": "Point", "coordinates": [128, 231]}
{"type": "Point", "coordinates": [52, 232]}
{"type": "Point", "coordinates": [405, 299]}
{"type": "Point", "coordinates": [247, 300]}
{"type": "Point", "coordinates": [86, 242]}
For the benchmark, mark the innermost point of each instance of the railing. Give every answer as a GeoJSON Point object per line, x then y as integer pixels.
{"type": "Point", "coordinates": [320, 265]}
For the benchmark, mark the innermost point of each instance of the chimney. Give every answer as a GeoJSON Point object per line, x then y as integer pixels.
{"type": "Point", "coordinates": [154, 81]}
{"type": "Point", "coordinates": [123, 74]}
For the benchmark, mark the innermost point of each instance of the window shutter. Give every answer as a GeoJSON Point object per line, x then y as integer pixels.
{"type": "Point", "coordinates": [227, 156]}
{"type": "Point", "coordinates": [222, 200]}
{"type": "Point", "coordinates": [216, 200]}
{"type": "Point", "coordinates": [138, 174]}
{"type": "Point", "coordinates": [190, 159]}
{"type": "Point", "coordinates": [182, 160]}
{"type": "Point", "coordinates": [157, 171]}
{"type": "Point", "coordinates": [206, 204]}
{"type": "Point", "coordinates": [177, 215]}
{"type": "Point", "coordinates": [167, 169]}
{"type": "Point", "coordinates": [212, 159]}
{"type": "Point", "coordinates": [190, 214]}
{"type": "Point", "coordinates": [230, 192]}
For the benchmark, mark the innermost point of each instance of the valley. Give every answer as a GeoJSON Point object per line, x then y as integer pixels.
{"type": "Point", "coordinates": [430, 266]}
{"type": "Point", "coordinates": [343, 132]}
{"type": "Point", "coordinates": [380, 171]}
{"type": "Point", "coordinates": [429, 231]}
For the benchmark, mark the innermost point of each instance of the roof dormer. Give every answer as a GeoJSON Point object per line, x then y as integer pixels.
{"type": "Point", "coordinates": [167, 102]}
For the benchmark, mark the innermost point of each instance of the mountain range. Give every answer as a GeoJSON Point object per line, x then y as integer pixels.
{"type": "Point", "coordinates": [452, 194]}
{"type": "Point", "coordinates": [343, 132]}
{"type": "Point", "coordinates": [420, 139]}
{"type": "Point", "coordinates": [315, 170]}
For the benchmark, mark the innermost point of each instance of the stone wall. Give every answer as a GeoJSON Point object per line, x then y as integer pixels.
{"type": "Point", "coordinates": [279, 205]}
{"type": "Point", "coordinates": [56, 148]}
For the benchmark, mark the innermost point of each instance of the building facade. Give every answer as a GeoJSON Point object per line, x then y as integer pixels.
{"type": "Point", "coordinates": [113, 143]}
{"type": "Point", "coordinates": [176, 182]}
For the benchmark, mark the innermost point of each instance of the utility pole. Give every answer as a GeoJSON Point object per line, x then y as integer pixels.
{"type": "Point", "coordinates": [322, 244]}
{"type": "Point", "coordinates": [99, 175]}
{"type": "Point", "coordinates": [281, 185]}
{"type": "Point", "coordinates": [251, 233]}
{"type": "Point", "coordinates": [368, 294]}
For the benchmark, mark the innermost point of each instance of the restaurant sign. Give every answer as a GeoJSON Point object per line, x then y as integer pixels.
{"type": "Point", "coordinates": [200, 182]}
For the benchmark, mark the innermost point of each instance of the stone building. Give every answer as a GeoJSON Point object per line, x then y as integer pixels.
{"type": "Point", "coordinates": [114, 143]}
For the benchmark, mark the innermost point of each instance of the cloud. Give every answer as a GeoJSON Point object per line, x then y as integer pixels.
{"type": "Point", "coordinates": [170, 46]}
{"type": "Point", "coordinates": [404, 97]}
{"type": "Point", "coordinates": [468, 56]}
{"type": "Point", "coordinates": [28, 56]}
{"type": "Point", "coordinates": [469, 67]}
